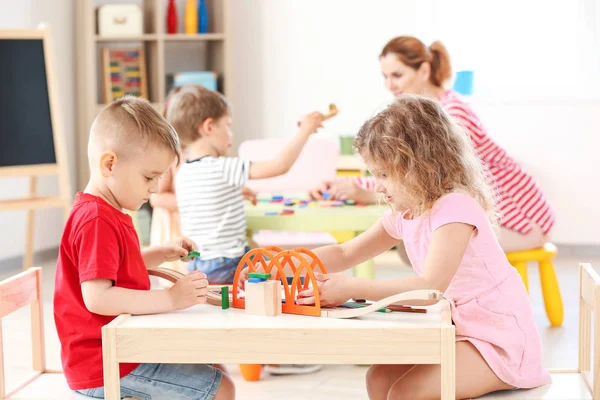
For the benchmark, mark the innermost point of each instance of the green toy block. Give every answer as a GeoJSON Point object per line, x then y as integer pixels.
{"type": "Point", "coordinates": [258, 275]}
{"type": "Point", "coordinates": [225, 297]}
{"type": "Point", "coordinates": [191, 255]}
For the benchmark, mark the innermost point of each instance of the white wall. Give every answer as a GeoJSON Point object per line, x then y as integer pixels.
{"type": "Point", "coordinates": [291, 57]}
{"type": "Point", "coordinates": [58, 14]}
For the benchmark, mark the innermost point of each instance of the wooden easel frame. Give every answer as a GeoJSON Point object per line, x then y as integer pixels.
{"type": "Point", "coordinates": [60, 168]}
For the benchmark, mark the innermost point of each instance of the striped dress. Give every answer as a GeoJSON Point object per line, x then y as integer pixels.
{"type": "Point", "coordinates": [521, 201]}
{"type": "Point", "coordinates": [211, 205]}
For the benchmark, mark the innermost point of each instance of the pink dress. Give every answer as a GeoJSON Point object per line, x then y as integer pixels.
{"type": "Point", "coordinates": [490, 305]}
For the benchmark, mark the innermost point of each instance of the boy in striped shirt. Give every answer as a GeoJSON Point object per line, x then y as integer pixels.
{"type": "Point", "coordinates": [209, 184]}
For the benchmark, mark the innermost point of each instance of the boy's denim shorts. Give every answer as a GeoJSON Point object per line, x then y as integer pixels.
{"type": "Point", "coordinates": [219, 271]}
{"type": "Point", "coordinates": [167, 381]}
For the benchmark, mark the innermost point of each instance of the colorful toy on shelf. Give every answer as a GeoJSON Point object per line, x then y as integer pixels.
{"type": "Point", "coordinates": [172, 17]}
{"type": "Point", "coordinates": [202, 17]}
{"type": "Point", "coordinates": [191, 18]}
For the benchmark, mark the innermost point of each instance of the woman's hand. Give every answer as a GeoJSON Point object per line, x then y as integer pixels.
{"type": "Point", "coordinates": [334, 289]}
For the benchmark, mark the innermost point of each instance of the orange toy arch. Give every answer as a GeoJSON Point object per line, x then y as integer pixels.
{"type": "Point", "coordinates": [298, 260]}
{"type": "Point", "coordinates": [252, 259]}
{"type": "Point", "coordinates": [290, 305]}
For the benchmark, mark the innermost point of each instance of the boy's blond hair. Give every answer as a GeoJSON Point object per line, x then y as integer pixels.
{"type": "Point", "coordinates": [131, 123]}
{"type": "Point", "coordinates": [426, 152]}
{"type": "Point", "coordinates": [189, 106]}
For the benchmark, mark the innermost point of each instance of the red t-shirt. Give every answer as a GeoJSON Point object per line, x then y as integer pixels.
{"type": "Point", "coordinates": [99, 242]}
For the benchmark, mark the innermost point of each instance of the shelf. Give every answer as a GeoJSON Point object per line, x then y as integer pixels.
{"type": "Point", "coordinates": [32, 203]}
{"type": "Point", "coordinates": [350, 163]}
{"type": "Point", "coordinates": [137, 38]}
{"type": "Point", "coordinates": [182, 37]}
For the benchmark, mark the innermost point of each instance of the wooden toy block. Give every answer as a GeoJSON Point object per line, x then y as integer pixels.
{"type": "Point", "coordinates": [191, 255]}
{"type": "Point", "coordinates": [263, 298]}
{"type": "Point", "coordinates": [259, 275]}
{"type": "Point", "coordinates": [225, 297]}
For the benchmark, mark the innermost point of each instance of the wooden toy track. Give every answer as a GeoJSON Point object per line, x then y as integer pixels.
{"type": "Point", "coordinates": [272, 260]}
{"type": "Point", "coordinates": [172, 276]}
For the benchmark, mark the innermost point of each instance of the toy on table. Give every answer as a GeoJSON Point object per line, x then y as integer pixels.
{"type": "Point", "coordinates": [331, 203]}
{"type": "Point", "coordinates": [191, 255]}
{"type": "Point", "coordinates": [300, 261]}
{"type": "Point", "coordinates": [305, 261]}
{"type": "Point", "coordinates": [173, 276]}
{"type": "Point", "coordinates": [225, 297]}
{"type": "Point", "coordinates": [333, 110]}
{"type": "Point", "coordinates": [263, 296]}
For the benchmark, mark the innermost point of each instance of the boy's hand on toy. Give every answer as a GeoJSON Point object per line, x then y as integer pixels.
{"type": "Point", "coordinates": [249, 195]}
{"type": "Point", "coordinates": [334, 289]}
{"type": "Point", "coordinates": [317, 193]}
{"type": "Point", "coordinates": [180, 247]}
{"type": "Point", "coordinates": [311, 122]}
{"type": "Point", "coordinates": [189, 290]}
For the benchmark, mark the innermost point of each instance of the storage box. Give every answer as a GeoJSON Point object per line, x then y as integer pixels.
{"type": "Point", "coordinates": [120, 20]}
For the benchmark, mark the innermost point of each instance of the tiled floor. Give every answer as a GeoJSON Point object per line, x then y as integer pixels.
{"type": "Point", "coordinates": [332, 382]}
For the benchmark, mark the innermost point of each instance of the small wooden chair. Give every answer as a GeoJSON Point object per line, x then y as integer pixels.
{"type": "Point", "coordinates": [15, 293]}
{"type": "Point", "coordinates": [550, 290]}
{"type": "Point", "coordinates": [582, 383]}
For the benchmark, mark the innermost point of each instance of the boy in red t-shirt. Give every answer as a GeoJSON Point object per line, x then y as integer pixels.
{"type": "Point", "coordinates": [101, 270]}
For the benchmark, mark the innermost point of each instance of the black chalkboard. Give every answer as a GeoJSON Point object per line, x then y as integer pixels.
{"type": "Point", "coordinates": [25, 122]}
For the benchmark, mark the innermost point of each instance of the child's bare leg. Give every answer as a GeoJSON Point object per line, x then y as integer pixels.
{"type": "Point", "coordinates": [474, 378]}
{"type": "Point", "coordinates": [380, 379]}
{"type": "Point", "coordinates": [226, 390]}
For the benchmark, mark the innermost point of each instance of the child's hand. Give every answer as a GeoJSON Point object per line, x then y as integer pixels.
{"type": "Point", "coordinates": [189, 290]}
{"type": "Point", "coordinates": [249, 195]}
{"type": "Point", "coordinates": [244, 276]}
{"type": "Point", "coordinates": [334, 289]}
{"type": "Point", "coordinates": [311, 122]}
{"type": "Point", "coordinates": [175, 249]}
{"type": "Point", "coordinates": [346, 189]}
{"type": "Point", "coordinates": [317, 193]}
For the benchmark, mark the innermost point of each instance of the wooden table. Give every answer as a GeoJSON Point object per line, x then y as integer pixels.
{"type": "Point", "coordinates": [316, 219]}
{"type": "Point", "coordinates": [207, 334]}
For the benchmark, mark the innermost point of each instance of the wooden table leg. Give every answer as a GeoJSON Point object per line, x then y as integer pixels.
{"type": "Point", "coordinates": [448, 363]}
{"type": "Point", "coordinates": [112, 381]}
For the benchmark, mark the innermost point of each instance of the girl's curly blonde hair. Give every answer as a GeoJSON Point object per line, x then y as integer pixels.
{"type": "Point", "coordinates": [427, 153]}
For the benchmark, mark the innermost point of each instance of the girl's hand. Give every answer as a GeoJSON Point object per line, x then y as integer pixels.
{"type": "Point", "coordinates": [334, 289]}
{"type": "Point", "coordinates": [175, 249]}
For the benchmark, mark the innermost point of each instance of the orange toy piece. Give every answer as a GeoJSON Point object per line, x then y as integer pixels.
{"type": "Point", "coordinates": [298, 260]}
